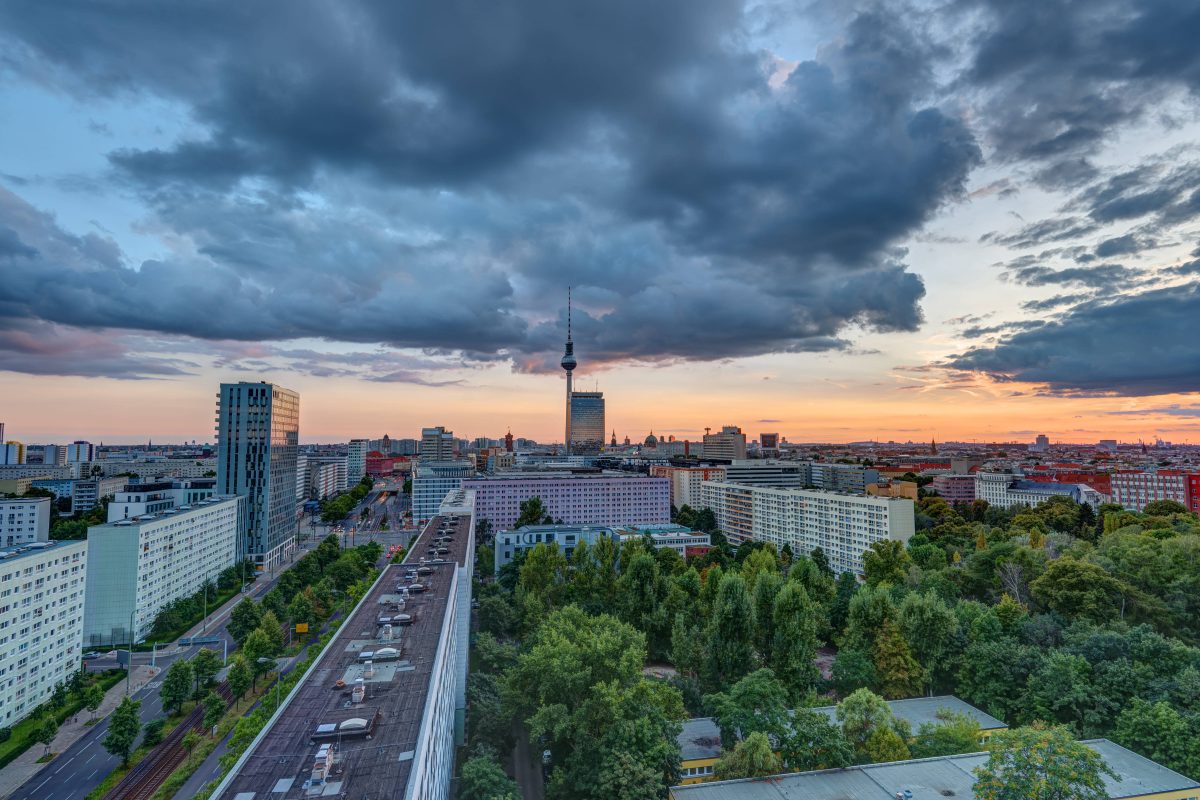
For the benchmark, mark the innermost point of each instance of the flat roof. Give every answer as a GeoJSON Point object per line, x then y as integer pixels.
{"type": "Point", "coordinates": [701, 738]}
{"type": "Point", "coordinates": [929, 779]}
{"type": "Point", "coordinates": [17, 551]}
{"type": "Point", "coordinates": [364, 769]}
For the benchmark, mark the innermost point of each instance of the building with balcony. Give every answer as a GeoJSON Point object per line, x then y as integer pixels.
{"type": "Point", "coordinates": [24, 520]}
{"type": "Point", "coordinates": [1132, 489]}
{"type": "Point", "coordinates": [609, 498]}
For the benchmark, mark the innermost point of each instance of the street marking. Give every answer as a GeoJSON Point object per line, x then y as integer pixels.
{"type": "Point", "coordinates": [43, 783]}
{"type": "Point", "coordinates": [93, 755]}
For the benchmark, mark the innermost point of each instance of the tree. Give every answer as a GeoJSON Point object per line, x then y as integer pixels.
{"type": "Point", "coordinates": [853, 669]}
{"type": "Point", "coordinates": [176, 685]}
{"type": "Point", "coordinates": [244, 618]}
{"type": "Point", "coordinates": [300, 610]}
{"type": "Point", "coordinates": [930, 628]}
{"type": "Point", "coordinates": [483, 779]}
{"type": "Point", "coordinates": [259, 652]}
{"type": "Point", "coordinates": [753, 757]}
{"type": "Point", "coordinates": [756, 703]}
{"type": "Point", "coordinates": [766, 588]}
{"type": "Point", "coordinates": [1041, 763]}
{"type": "Point", "coordinates": [813, 742]}
{"type": "Point", "coordinates": [191, 741]}
{"type": "Point", "coordinates": [886, 562]}
{"type": "Point", "coordinates": [47, 731]}
{"type": "Point", "coordinates": [273, 629]}
{"type": "Point", "coordinates": [123, 729]}
{"type": "Point", "coordinates": [93, 697]}
{"type": "Point", "coordinates": [214, 709]}
{"type": "Point", "coordinates": [731, 629]}
{"type": "Point", "coordinates": [152, 732]}
{"type": "Point", "coordinates": [953, 733]}
{"type": "Point", "coordinates": [58, 698]}
{"type": "Point", "coordinates": [821, 560]}
{"type": "Point", "coordinates": [898, 673]}
{"type": "Point", "coordinates": [861, 715]}
{"type": "Point", "coordinates": [239, 677]}
{"type": "Point", "coordinates": [884, 744]}
{"type": "Point", "coordinates": [1080, 589]}
{"type": "Point", "coordinates": [1160, 733]}
{"type": "Point", "coordinates": [794, 639]}
{"type": "Point", "coordinates": [1163, 508]}
{"type": "Point", "coordinates": [205, 666]}
{"type": "Point", "coordinates": [533, 512]}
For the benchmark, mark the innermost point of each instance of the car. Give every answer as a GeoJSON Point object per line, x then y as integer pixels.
{"type": "Point", "coordinates": [89, 655]}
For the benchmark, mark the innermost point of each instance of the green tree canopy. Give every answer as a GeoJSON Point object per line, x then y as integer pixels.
{"type": "Point", "coordinates": [123, 729]}
{"type": "Point", "coordinates": [1040, 763]}
{"type": "Point", "coordinates": [753, 757]}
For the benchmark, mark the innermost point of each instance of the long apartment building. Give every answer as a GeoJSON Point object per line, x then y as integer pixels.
{"type": "Point", "coordinates": [42, 592]}
{"type": "Point", "coordinates": [686, 481]}
{"type": "Point", "coordinates": [24, 520]}
{"type": "Point", "coordinates": [609, 498]}
{"type": "Point", "coordinates": [1133, 489]}
{"type": "Point", "coordinates": [843, 525]}
{"type": "Point", "coordinates": [139, 565]}
{"type": "Point", "coordinates": [1005, 490]}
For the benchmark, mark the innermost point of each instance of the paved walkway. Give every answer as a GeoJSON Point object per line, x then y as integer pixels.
{"type": "Point", "coordinates": [25, 766]}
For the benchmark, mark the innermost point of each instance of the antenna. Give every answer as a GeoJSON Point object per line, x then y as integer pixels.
{"type": "Point", "coordinates": [568, 313]}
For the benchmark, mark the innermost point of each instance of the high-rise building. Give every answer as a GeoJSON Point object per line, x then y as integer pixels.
{"type": "Point", "coordinates": [356, 460]}
{"type": "Point", "coordinates": [437, 444]}
{"type": "Point", "coordinates": [80, 452]}
{"type": "Point", "coordinates": [12, 453]}
{"type": "Point", "coordinates": [1132, 489]}
{"type": "Point", "coordinates": [24, 520]}
{"type": "Point", "coordinates": [576, 499]}
{"type": "Point", "coordinates": [729, 443]}
{"type": "Point", "coordinates": [1041, 444]}
{"type": "Point", "coordinates": [686, 482]}
{"type": "Point", "coordinates": [431, 483]}
{"type": "Point", "coordinates": [568, 364]}
{"type": "Point", "coordinates": [42, 622]}
{"type": "Point", "coordinates": [768, 444]}
{"type": "Point", "coordinates": [54, 454]}
{"type": "Point", "coordinates": [842, 525]}
{"type": "Point", "coordinates": [258, 435]}
{"type": "Point", "coordinates": [587, 423]}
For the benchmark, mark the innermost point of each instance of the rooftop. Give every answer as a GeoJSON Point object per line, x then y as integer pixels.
{"type": "Point", "coordinates": [175, 513]}
{"type": "Point", "coordinates": [8, 554]}
{"type": "Point", "coordinates": [929, 779]}
{"type": "Point", "coordinates": [281, 761]}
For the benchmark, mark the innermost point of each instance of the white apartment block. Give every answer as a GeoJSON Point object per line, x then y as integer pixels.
{"type": "Point", "coordinates": [1005, 490]}
{"type": "Point", "coordinates": [842, 525]}
{"type": "Point", "coordinates": [155, 498]}
{"type": "Point", "coordinates": [80, 452]}
{"type": "Point", "coordinates": [42, 591]}
{"type": "Point", "coordinates": [24, 520]}
{"type": "Point", "coordinates": [139, 565]}
{"type": "Point", "coordinates": [610, 498]}
{"type": "Point", "coordinates": [158, 467]}
{"type": "Point", "coordinates": [356, 460]}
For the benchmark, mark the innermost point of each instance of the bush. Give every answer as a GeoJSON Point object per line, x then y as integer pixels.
{"type": "Point", "coordinates": [152, 733]}
{"type": "Point", "coordinates": [5, 734]}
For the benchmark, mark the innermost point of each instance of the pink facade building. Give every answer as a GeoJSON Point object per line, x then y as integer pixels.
{"type": "Point", "coordinates": [1133, 490]}
{"type": "Point", "coordinates": [955, 488]}
{"type": "Point", "coordinates": [606, 499]}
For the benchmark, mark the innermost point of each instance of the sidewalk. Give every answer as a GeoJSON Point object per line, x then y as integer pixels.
{"type": "Point", "coordinates": [25, 766]}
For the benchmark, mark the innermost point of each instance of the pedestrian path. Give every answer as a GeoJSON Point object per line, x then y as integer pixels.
{"type": "Point", "coordinates": [25, 766]}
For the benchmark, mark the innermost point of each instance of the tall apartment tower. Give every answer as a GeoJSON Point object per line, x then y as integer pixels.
{"type": "Point", "coordinates": [568, 364]}
{"type": "Point", "coordinates": [258, 435]}
{"type": "Point", "coordinates": [729, 443]}
{"type": "Point", "coordinates": [587, 422]}
{"type": "Point", "coordinates": [437, 444]}
{"type": "Point", "coordinates": [356, 460]}
{"type": "Point", "coordinates": [80, 451]}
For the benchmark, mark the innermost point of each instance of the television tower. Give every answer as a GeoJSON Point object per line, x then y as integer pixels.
{"type": "Point", "coordinates": [568, 363]}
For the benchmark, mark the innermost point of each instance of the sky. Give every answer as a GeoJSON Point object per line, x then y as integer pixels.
{"type": "Point", "coordinates": [974, 219]}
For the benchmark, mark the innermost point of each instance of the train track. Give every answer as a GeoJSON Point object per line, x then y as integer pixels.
{"type": "Point", "coordinates": [141, 782]}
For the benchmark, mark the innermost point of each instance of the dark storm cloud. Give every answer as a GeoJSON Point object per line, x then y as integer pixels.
{"type": "Point", "coordinates": [1141, 344]}
{"type": "Point", "coordinates": [41, 348]}
{"type": "Point", "coordinates": [1129, 244]}
{"type": "Point", "coordinates": [1058, 300]}
{"type": "Point", "coordinates": [433, 175]}
{"type": "Point", "coordinates": [1097, 277]}
{"type": "Point", "coordinates": [1061, 76]}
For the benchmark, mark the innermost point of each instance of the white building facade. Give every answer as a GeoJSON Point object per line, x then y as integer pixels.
{"type": "Point", "coordinates": [140, 565]}
{"type": "Point", "coordinates": [614, 499]}
{"type": "Point", "coordinates": [843, 525]}
{"type": "Point", "coordinates": [24, 520]}
{"type": "Point", "coordinates": [1005, 490]}
{"type": "Point", "coordinates": [356, 460]}
{"type": "Point", "coordinates": [42, 593]}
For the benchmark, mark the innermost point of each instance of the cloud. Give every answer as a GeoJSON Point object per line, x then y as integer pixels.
{"type": "Point", "coordinates": [351, 177]}
{"type": "Point", "coordinates": [1099, 276]}
{"type": "Point", "coordinates": [1173, 410]}
{"type": "Point", "coordinates": [1139, 344]}
{"type": "Point", "coordinates": [1048, 303]}
{"type": "Point", "coordinates": [40, 348]}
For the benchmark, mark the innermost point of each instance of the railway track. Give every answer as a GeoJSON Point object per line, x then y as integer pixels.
{"type": "Point", "coordinates": [148, 774]}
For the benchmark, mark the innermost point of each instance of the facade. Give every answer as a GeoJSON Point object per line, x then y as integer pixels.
{"type": "Point", "coordinates": [1136, 778]}
{"type": "Point", "coordinates": [768, 444]}
{"type": "Point", "coordinates": [591, 499]}
{"type": "Point", "coordinates": [87, 493]}
{"type": "Point", "coordinates": [842, 477]}
{"type": "Point", "coordinates": [24, 520]}
{"type": "Point", "coordinates": [437, 444]}
{"type": "Point", "coordinates": [258, 433]}
{"type": "Point", "coordinates": [139, 565]}
{"type": "Point", "coordinates": [685, 482]}
{"type": "Point", "coordinates": [18, 471]}
{"type": "Point", "coordinates": [1132, 490]}
{"type": "Point", "coordinates": [700, 739]}
{"type": "Point", "coordinates": [318, 477]}
{"type": "Point", "coordinates": [141, 499]}
{"type": "Point", "coordinates": [12, 454]}
{"type": "Point", "coordinates": [54, 454]}
{"type": "Point", "coordinates": [80, 452]}
{"type": "Point", "coordinates": [510, 543]}
{"type": "Point", "coordinates": [587, 423]}
{"type": "Point", "coordinates": [1005, 490]}
{"type": "Point", "coordinates": [432, 482]}
{"type": "Point", "coordinates": [955, 488]}
{"type": "Point", "coordinates": [15, 485]}
{"type": "Point", "coordinates": [842, 525]}
{"type": "Point", "coordinates": [42, 592]}
{"type": "Point", "coordinates": [767, 472]}
{"type": "Point", "coordinates": [158, 467]}
{"type": "Point", "coordinates": [356, 460]}
{"type": "Point", "coordinates": [730, 443]}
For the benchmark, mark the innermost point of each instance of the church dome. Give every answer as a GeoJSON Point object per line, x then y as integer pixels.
{"type": "Point", "coordinates": [651, 440]}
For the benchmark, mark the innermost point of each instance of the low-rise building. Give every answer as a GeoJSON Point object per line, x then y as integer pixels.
{"type": "Point", "coordinates": [17, 471]}
{"type": "Point", "coordinates": [1133, 489]}
{"type": "Point", "coordinates": [510, 543]}
{"type": "Point", "coordinates": [15, 485]}
{"type": "Point", "coordinates": [954, 488]}
{"type": "Point", "coordinates": [141, 499]}
{"type": "Point", "coordinates": [843, 525]}
{"type": "Point", "coordinates": [139, 565]}
{"type": "Point", "coordinates": [24, 520]}
{"type": "Point", "coordinates": [87, 493]}
{"type": "Point", "coordinates": [1005, 490]}
{"type": "Point", "coordinates": [1135, 778]}
{"type": "Point", "coordinates": [42, 591]}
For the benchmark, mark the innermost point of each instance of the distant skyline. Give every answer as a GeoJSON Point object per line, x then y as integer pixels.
{"type": "Point", "coordinates": [885, 220]}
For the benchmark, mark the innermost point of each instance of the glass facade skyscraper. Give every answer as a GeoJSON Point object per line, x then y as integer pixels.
{"type": "Point", "coordinates": [258, 436]}
{"type": "Point", "coordinates": [587, 422]}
